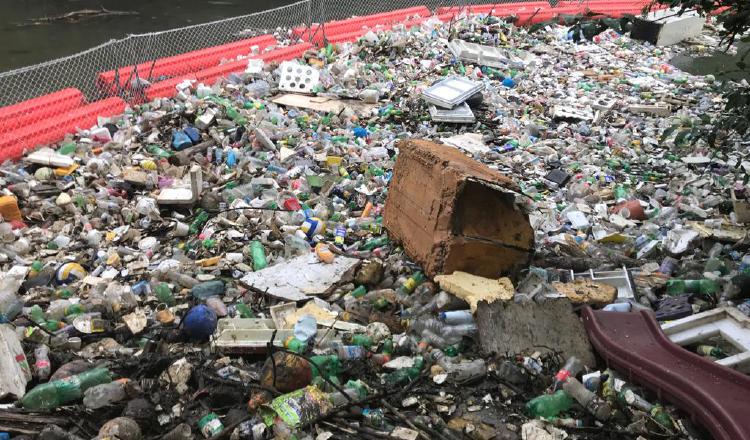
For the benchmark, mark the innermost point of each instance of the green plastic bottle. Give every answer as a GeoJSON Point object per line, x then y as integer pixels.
{"type": "Point", "coordinates": [359, 292]}
{"type": "Point", "coordinates": [412, 283]}
{"type": "Point", "coordinates": [159, 151]}
{"type": "Point", "coordinates": [164, 293]}
{"type": "Point", "coordinates": [405, 375]}
{"type": "Point", "coordinates": [703, 287]}
{"type": "Point", "coordinates": [51, 395]}
{"type": "Point", "coordinates": [374, 243]}
{"type": "Point", "coordinates": [660, 415]}
{"type": "Point", "coordinates": [258, 254]}
{"type": "Point", "coordinates": [326, 365]}
{"type": "Point", "coordinates": [549, 405]}
{"type": "Point", "coordinates": [295, 345]}
{"type": "Point", "coordinates": [710, 350]}
{"type": "Point", "coordinates": [357, 339]}
{"type": "Point", "coordinates": [244, 311]}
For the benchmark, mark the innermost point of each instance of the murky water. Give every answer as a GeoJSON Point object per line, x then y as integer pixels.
{"type": "Point", "coordinates": [25, 43]}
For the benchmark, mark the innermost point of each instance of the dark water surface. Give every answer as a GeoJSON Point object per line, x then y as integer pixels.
{"type": "Point", "coordinates": [24, 43]}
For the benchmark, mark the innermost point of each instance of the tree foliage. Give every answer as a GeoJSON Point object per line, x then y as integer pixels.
{"type": "Point", "coordinates": [734, 18]}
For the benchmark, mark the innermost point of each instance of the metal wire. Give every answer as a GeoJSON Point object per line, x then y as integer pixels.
{"type": "Point", "coordinates": [81, 69]}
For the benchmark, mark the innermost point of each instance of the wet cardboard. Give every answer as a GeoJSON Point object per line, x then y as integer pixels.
{"type": "Point", "coordinates": [453, 213]}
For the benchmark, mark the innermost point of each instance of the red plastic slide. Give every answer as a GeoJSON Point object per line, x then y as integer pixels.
{"type": "Point", "coordinates": [633, 344]}
{"type": "Point", "coordinates": [181, 64]}
{"type": "Point", "coordinates": [54, 128]}
{"type": "Point", "coordinates": [35, 110]}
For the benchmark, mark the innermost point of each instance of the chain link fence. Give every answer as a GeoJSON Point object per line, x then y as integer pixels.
{"type": "Point", "coordinates": [123, 68]}
{"type": "Point", "coordinates": [80, 70]}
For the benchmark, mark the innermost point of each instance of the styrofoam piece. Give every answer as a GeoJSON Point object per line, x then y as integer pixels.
{"type": "Point", "coordinates": [659, 109]}
{"type": "Point", "coordinates": [451, 91]}
{"type": "Point", "coordinates": [255, 66]}
{"type": "Point", "coordinates": [14, 368]}
{"type": "Point", "coordinates": [480, 54]}
{"type": "Point", "coordinates": [49, 157]}
{"type": "Point", "coordinates": [248, 335]}
{"type": "Point", "coordinates": [667, 26]}
{"type": "Point", "coordinates": [618, 278]}
{"type": "Point", "coordinates": [295, 77]}
{"type": "Point", "coordinates": [568, 112]}
{"type": "Point", "coordinates": [296, 279]}
{"type": "Point", "coordinates": [461, 114]}
{"type": "Point", "coordinates": [184, 195]}
{"type": "Point", "coordinates": [727, 322]}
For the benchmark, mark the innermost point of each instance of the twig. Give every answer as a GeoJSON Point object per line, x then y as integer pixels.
{"type": "Point", "coordinates": [405, 419]}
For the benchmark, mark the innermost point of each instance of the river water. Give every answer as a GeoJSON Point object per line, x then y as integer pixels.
{"type": "Point", "coordinates": [24, 43]}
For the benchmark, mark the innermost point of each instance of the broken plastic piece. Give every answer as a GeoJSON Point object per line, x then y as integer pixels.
{"type": "Point", "coordinates": [451, 91]}
{"type": "Point", "coordinates": [461, 114]}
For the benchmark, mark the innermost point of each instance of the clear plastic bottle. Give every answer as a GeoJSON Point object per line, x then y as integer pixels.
{"type": "Point", "coordinates": [457, 317]}
{"type": "Point", "coordinates": [10, 304]}
{"type": "Point", "coordinates": [42, 366]}
{"type": "Point", "coordinates": [572, 367]}
{"type": "Point", "coordinates": [104, 394]}
{"type": "Point", "coordinates": [590, 401]}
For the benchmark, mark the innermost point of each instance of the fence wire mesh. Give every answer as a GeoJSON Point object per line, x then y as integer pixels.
{"type": "Point", "coordinates": [136, 58]}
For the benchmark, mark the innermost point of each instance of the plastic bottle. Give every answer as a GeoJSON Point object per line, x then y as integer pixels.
{"type": "Point", "coordinates": [217, 305]}
{"type": "Point", "coordinates": [703, 287]}
{"type": "Point", "coordinates": [710, 350]}
{"type": "Point", "coordinates": [208, 289]}
{"type": "Point", "coordinates": [210, 425]}
{"type": "Point", "coordinates": [42, 366]}
{"type": "Point", "coordinates": [411, 283]}
{"type": "Point", "coordinates": [258, 255]}
{"type": "Point", "coordinates": [326, 365]}
{"type": "Point", "coordinates": [457, 317]}
{"type": "Point", "coordinates": [163, 292]}
{"type": "Point", "coordinates": [10, 304]}
{"type": "Point", "coordinates": [59, 392]}
{"type": "Point", "coordinates": [572, 367]}
{"type": "Point", "coordinates": [181, 279]}
{"type": "Point", "coordinates": [104, 394]}
{"type": "Point", "coordinates": [180, 140]}
{"type": "Point", "coordinates": [405, 375]}
{"type": "Point", "coordinates": [590, 401]}
{"type": "Point", "coordinates": [357, 339]}
{"type": "Point", "coordinates": [549, 405]}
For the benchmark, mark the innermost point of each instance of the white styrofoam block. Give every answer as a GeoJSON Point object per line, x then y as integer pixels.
{"type": "Point", "coordinates": [665, 27]}
{"type": "Point", "coordinates": [298, 78]}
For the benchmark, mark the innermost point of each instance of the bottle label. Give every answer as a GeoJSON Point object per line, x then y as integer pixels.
{"type": "Point", "coordinates": [410, 284]}
{"type": "Point", "coordinates": [41, 364]}
{"type": "Point", "coordinates": [211, 425]}
{"type": "Point", "coordinates": [562, 375]}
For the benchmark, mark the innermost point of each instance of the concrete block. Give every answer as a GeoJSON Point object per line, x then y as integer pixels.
{"type": "Point", "coordinates": [727, 322]}
{"type": "Point", "coordinates": [664, 27]}
{"type": "Point", "coordinates": [512, 328]}
{"type": "Point", "coordinates": [452, 213]}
